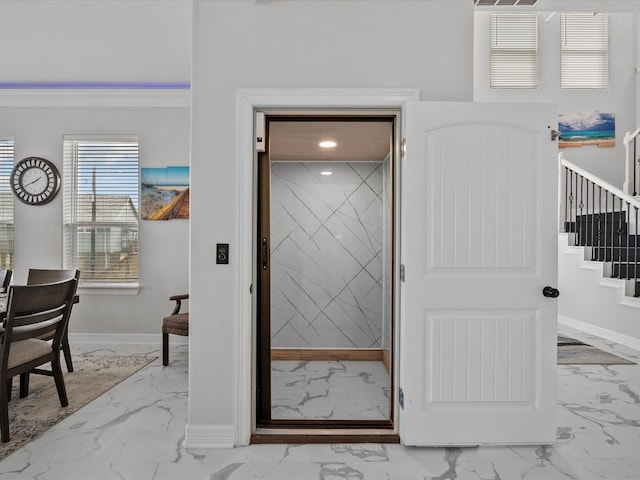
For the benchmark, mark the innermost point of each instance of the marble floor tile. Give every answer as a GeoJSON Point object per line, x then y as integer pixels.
{"type": "Point", "coordinates": [344, 390]}
{"type": "Point", "coordinates": [135, 432]}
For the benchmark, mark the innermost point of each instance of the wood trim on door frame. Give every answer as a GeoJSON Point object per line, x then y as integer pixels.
{"type": "Point", "coordinates": [330, 354]}
{"type": "Point", "coordinates": [386, 358]}
{"type": "Point", "coordinates": [263, 290]}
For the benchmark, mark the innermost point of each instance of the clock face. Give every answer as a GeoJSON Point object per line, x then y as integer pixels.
{"type": "Point", "coordinates": [35, 181]}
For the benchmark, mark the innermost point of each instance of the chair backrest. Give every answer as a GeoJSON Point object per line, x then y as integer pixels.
{"type": "Point", "coordinates": [37, 275]}
{"type": "Point", "coordinates": [5, 279]}
{"type": "Point", "coordinates": [34, 311]}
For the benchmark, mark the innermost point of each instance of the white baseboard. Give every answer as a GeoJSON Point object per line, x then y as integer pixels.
{"type": "Point", "coordinates": [209, 436]}
{"type": "Point", "coordinates": [117, 338]}
{"type": "Point", "coordinates": [601, 332]}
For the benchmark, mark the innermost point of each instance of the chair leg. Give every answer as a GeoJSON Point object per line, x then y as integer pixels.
{"type": "Point", "coordinates": [165, 349]}
{"type": "Point", "coordinates": [24, 384]}
{"type": "Point", "coordinates": [9, 388]}
{"type": "Point", "coordinates": [57, 375]}
{"type": "Point", "coordinates": [66, 349]}
{"type": "Point", "coordinates": [4, 410]}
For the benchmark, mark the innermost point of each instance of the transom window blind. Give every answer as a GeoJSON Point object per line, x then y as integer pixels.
{"type": "Point", "coordinates": [6, 203]}
{"type": "Point", "coordinates": [514, 50]}
{"type": "Point", "coordinates": [584, 59]}
{"type": "Point", "coordinates": [101, 193]}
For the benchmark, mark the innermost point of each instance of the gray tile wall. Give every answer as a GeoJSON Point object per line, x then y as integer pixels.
{"type": "Point", "coordinates": [326, 255]}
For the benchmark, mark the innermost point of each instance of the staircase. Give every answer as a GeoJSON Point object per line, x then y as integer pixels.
{"type": "Point", "coordinates": [599, 257]}
{"type": "Point", "coordinates": [604, 221]}
{"type": "Point", "coordinates": [607, 239]}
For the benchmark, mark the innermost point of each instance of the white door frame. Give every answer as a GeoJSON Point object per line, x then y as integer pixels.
{"type": "Point", "coordinates": [247, 101]}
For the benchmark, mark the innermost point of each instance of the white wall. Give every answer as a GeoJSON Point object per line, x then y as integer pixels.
{"type": "Point", "coordinates": [620, 98]}
{"type": "Point", "coordinates": [164, 140]}
{"type": "Point", "coordinates": [95, 41]}
{"type": "Point", "coordinates": [66, 42]}
{"type": "Point", "coordinates": [592, 301]}
{"type": "Point", "coordinates": [426, 45]}
{"type": "Point", "coordinates": [637, 71]}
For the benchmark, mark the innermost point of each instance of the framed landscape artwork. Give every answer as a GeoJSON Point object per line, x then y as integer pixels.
{"type": "Point", "coordinates": [594, 128]}
{"type": "Point", "coordinates": [164, 193]}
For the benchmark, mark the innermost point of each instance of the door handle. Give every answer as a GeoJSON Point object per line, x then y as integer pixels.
{"type": "Point", "coordinates": [550, 292]}
{"type": "Point", "coordinates": [265, 253]}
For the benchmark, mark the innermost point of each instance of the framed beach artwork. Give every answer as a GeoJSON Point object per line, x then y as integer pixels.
{"type": "Point", "coordinates": [164, 193]}
{"type": "Point", "coordinates": [594, 128]}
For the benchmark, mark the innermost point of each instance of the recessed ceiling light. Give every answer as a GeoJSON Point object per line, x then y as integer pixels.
{"type": "Point", "coordinates": [326, 172]}
{"type": "Point", "coordinates": [327, 144]}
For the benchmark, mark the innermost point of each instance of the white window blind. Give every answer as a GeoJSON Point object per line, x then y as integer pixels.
{"type": "Point", "coordinates": [6, 203]}
{"type": "Point", "coordinates": [584, 59]}
{"type": "Point", "coordinates": [101, 192]}
{"type": "Point", "coordinates": [514, 50]}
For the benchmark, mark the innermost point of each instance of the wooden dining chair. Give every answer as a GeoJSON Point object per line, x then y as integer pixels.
{"type": "Point", "coordinates": [177, 324]}
{"type": "Point", "coordinates": [5, 280]}
{"type": "Point", "coordinates": [33, 313]}
{"type": "Point", "coordinates": [38, 276]}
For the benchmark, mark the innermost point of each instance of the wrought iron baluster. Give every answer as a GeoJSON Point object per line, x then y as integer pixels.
{"type": "Point", "coordinates": [627, 263]}
{"type": "Point", "coordinates": [636, 160]}
{"type": "Point", "coordinates": [593, 214]}
{"type": "Point", "coordinates": [600, 223]}
{"type": "Point", "coordinates": [606, 223]}
{"type": "Point", "coordinates": [613, 229]}
{"type": "Point", "coordinates": [636, 292]}
{"type": "Point", "coordinates": [567, 227]}
{"type": "Point", "coordinates": [572, 219]}
{"type": "Point", "coordinates": [620, 241]}
{"type": "Point", "coordinates": [581, 236]}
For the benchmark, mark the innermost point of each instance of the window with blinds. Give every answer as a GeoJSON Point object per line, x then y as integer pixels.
{"type": "Point", "coordinates": [101, 193]}
{"type": "Point", "coordinates": [584, 52]}
{"type": "Point", "coordinates": [514, 50]}
{"type": "Point", "coordinates": [6, 203]}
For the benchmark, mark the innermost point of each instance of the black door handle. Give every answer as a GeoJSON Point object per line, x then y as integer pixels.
{"type": "Point", "coordinates": [550, 292]}
{"type": "Point", "coordinates": [265, 253]}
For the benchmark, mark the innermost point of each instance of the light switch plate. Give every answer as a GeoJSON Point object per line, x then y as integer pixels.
{"type": "Point", "coordinates": [222, 253]}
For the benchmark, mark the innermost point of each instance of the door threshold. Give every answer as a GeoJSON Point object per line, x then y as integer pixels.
{"type": "Point", "coordinates": [324, 435]}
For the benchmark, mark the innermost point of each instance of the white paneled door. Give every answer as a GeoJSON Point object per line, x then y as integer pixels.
{"type": "Point", "coordinates": [479, 244]}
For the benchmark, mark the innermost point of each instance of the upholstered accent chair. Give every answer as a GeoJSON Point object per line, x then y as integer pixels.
{"type": "Point", "coordinates": [177, 324]}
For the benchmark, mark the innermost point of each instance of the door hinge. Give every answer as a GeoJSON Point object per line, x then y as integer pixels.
{"type": "Point", "coordinates": [401, 398]}
{"type": "Point", "coordinates": [403, 148]}
{"type": "Point", "coordinates": [402, 272]}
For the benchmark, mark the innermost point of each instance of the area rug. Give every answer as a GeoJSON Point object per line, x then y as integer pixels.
{"type": "Point", "coordinates": [93, 375]}
{"type": "Point", "coordinates": [576, 352]}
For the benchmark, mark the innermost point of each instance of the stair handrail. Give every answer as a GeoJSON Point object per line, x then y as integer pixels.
{"type": "Point", "coordinates": [598, 181]}
{"type": "Point", "coordinates": [628, 138]}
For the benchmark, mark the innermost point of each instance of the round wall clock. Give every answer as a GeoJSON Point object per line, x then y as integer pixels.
{"type": "Point", "coordinates": [35, 181]}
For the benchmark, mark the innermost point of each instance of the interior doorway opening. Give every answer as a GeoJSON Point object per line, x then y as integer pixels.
{"type": "Point", "coordinates": [325, 248]}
